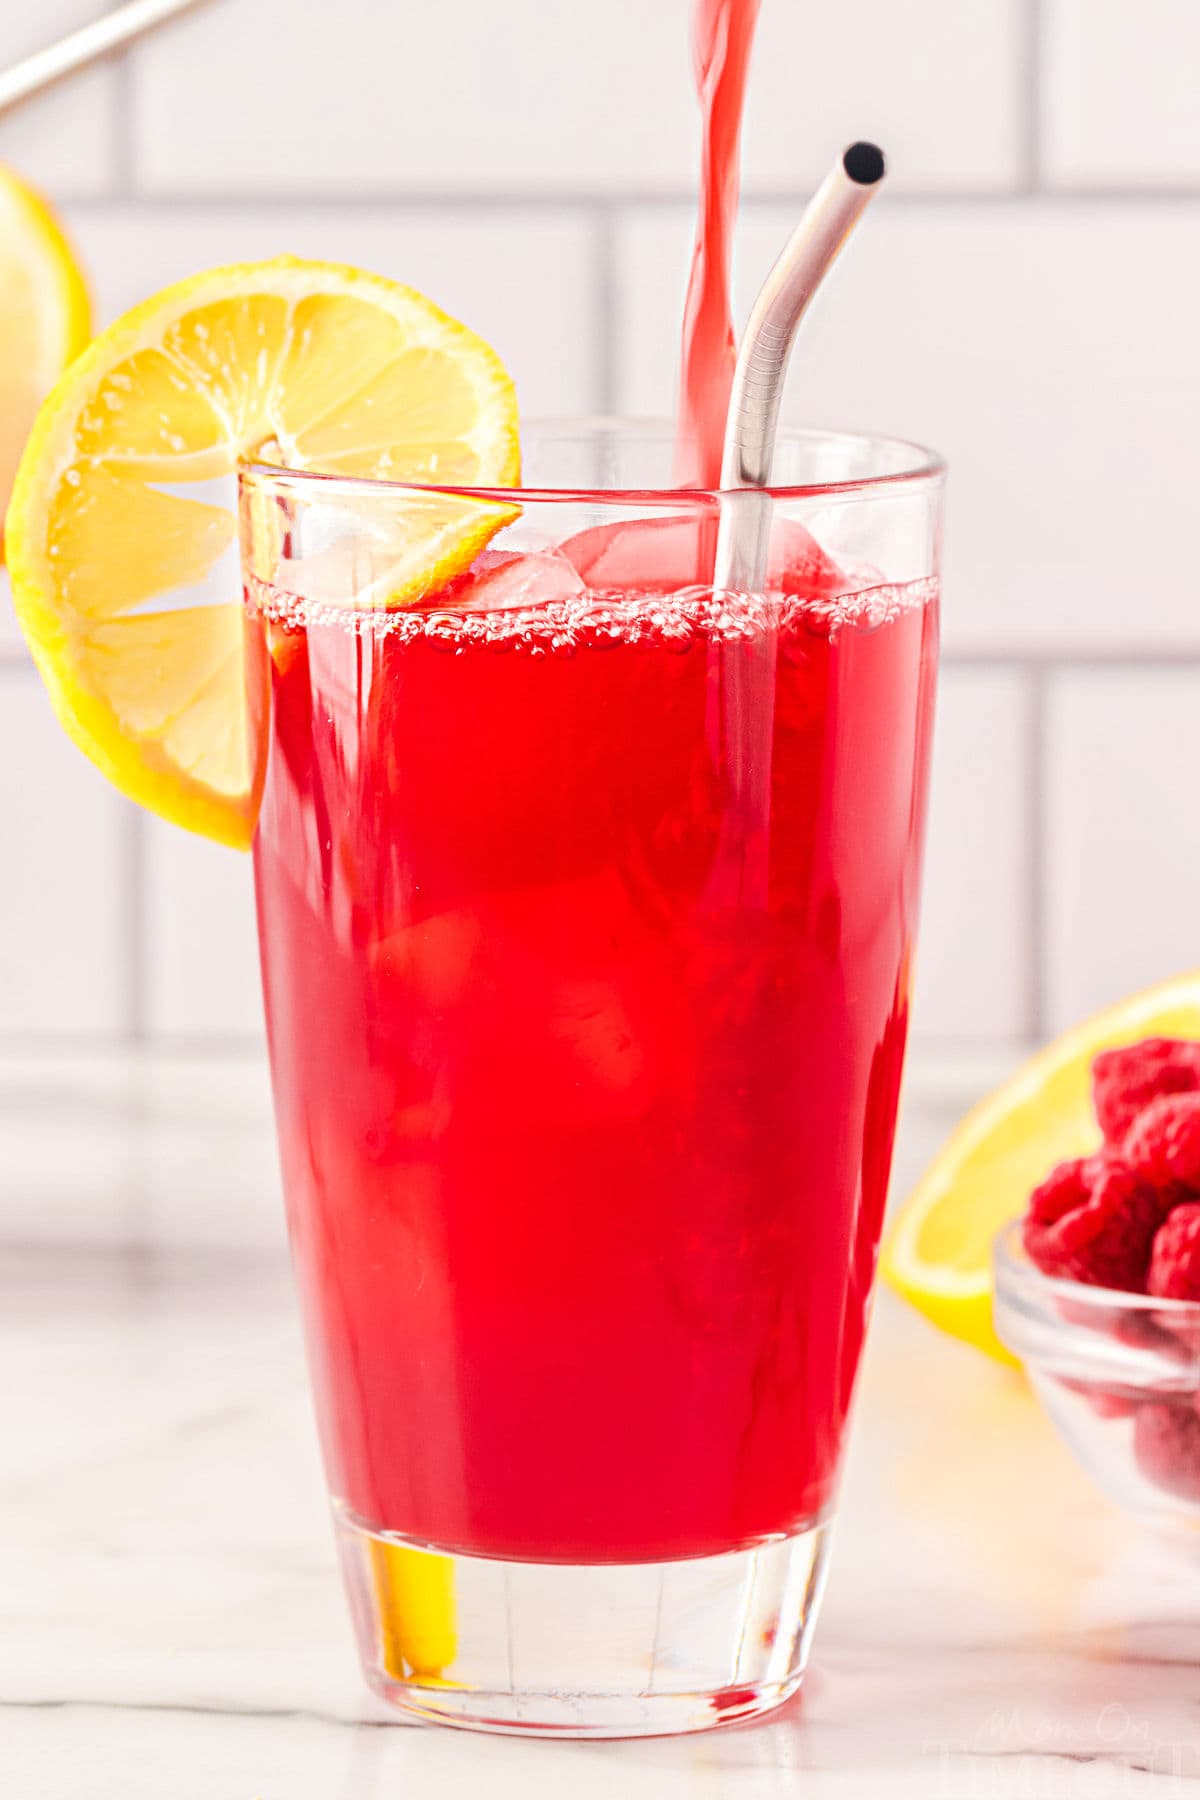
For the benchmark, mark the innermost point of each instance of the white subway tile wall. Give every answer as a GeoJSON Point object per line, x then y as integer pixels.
{"type": "Point", "coordinates": [68, 138]}
{"type": "Point", "coordinates": [1024, 298]}
{"type": "Point", "coordinates": [10, 634]}
{"type": "Point", "coordinates": [199, 950]}
{"type": "Point", "coordinates": [1122, 834]}
{"type": "Point", "coordinates": [976, 963]}
{"type": "Point", "coordinates": [474, 260]}
{"type": "Point", "coordinates": [1119, 94]}
{"type": "Point", "coordinates": [532, 98]}
{"type": "Point", "coordinates": [67, 895]}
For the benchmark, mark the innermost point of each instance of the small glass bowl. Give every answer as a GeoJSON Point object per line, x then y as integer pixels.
{"type": "Point", "coordinates": [1119, 1375]}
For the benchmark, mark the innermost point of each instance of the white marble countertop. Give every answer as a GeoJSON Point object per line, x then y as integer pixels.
{"type": "Point", "coordinates": [171, 1624]}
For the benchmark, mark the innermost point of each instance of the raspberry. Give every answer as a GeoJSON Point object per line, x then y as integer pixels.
{"type": "Point", "coordinates": [1142, 1331]}
{"type": "Point", "coordinates": [1103, 1401]}
{"type": "Point", "coordinates": [1124, 1081]}
{"type": "Point", "coordinates": [1093, 1221]}
{"type": "Point", "coordinates": [1166, 1443]}
{"type": "Point", "coordinates": [1175, 1256]}
{"type": "Point", "coordinates": [1065, 1187]}
{"type": "Point", "coordinates": [1163, 1143]}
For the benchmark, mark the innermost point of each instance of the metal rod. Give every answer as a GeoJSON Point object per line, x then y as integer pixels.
{"type": "Point", "coordinates": [762, 361]}
{"type": "Point", "coordinates": [84, 46]}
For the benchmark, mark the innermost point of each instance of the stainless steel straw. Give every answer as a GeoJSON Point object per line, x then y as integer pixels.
{"type": "Point", "coordinates": [81, 47]}
{"type": "Point", "coordinates": [763, 358]}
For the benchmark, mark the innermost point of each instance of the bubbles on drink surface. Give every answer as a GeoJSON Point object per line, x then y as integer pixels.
{"type": "Point", "coordinates": [600, 619]}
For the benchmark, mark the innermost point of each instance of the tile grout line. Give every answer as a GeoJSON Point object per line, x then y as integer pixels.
{"type": "Point", "coordinates": [1134, 661]}
{"type": "Point", "coordinates": [1037, 850]}
{"type": "Point", "coordinates": [604, 287]}
{"type": "Point", "coordinates": [133, 857]}
{"type": "Point", "coordinates": [121, 120]}
{"type": "Point", "coordinates": [353, 201]}
{"type": "Point", "coordinates": [166, 1046]}
{"type": "Point", "coordinates": [1033, 49]}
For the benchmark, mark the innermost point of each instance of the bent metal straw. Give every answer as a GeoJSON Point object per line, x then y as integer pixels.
{"type": "Point", "coordinates": [87, 45]}
{"type": "Point", "coordinates": [763, 358]}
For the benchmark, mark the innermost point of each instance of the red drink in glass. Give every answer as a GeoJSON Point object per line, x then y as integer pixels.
{"type": "Point", "coordinates": [587, 899]}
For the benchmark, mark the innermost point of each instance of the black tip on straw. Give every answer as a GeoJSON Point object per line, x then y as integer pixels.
{"type": "Point", "coordinates": [865, 164]}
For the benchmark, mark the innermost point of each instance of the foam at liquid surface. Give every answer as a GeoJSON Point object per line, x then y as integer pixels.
{"type": "Point", "coordinates": [605, 618]}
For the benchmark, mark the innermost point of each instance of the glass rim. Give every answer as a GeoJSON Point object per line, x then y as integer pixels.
{"type": "Point", "coordinates": [920, 467]}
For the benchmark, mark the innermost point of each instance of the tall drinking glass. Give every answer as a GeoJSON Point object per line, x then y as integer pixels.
{"type": "Point", "coordinates": [586, 901]}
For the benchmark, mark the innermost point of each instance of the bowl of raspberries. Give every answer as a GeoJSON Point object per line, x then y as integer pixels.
{"type": "Point", "coordinates": [1097, 1286]}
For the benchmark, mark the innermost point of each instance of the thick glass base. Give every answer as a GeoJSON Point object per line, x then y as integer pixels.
{"type": "Point", "coordinates": [582, 1650]}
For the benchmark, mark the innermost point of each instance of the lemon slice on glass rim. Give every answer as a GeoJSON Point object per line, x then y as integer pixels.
{"type": "Point", "coordinates": [308, 364]}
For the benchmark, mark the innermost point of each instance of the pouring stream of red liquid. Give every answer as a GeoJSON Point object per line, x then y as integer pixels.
{"type": "Point", "coordinates": [722, 37]}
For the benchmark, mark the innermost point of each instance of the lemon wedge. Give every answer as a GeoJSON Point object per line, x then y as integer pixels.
{"type": "Point", "coordinates": [938, 1253]}
{"type": "Point", "coordinates": [415, 1594]}
{"type": "Point", "coordinates": [45, 317]}
{"type": "Point", "coordinates": [305, 364]}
